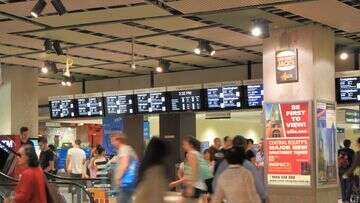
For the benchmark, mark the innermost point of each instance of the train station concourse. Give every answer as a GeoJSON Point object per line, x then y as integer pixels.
{"type": "Point", "coordinates": [179, 101]}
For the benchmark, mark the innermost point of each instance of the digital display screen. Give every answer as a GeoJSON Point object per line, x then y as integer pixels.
{"type": "Point", "coordinates": [348, 89]}
{"type": "Point", "coordinates": [255, 95]}
{"type": "Point", "coordinates": [62, 108]}
{"type": "Point", "coordinates": [119, 104]}
{"type": "Point", "coordinates": [154, 102]}
{"type": "Point", "coordinates": [228, 97]}
{"type": "Point", "coordinates": [91, 106]}
{"type": "Point", "coordinates": [186, 100]}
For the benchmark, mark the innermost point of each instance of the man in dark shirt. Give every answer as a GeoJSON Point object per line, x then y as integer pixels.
{"type": "Point", "coordinates": [24, 136]}
{"type": "Point", "coordinates": [215, 148]}
{"type": "Point", "coordinates": [46, 158]}
{"type": "Point", "coordinates": [345, 160]}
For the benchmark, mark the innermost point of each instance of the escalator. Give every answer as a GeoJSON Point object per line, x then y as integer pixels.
{"type": "Point", "coordinates": [73, 190]}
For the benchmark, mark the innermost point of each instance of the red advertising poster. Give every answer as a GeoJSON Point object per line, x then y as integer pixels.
{"type": "Point", "coordinates": [288, 143]}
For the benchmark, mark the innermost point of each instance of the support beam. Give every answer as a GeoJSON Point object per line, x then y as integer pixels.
{"type": "Point", "coordinates": [249, 70]}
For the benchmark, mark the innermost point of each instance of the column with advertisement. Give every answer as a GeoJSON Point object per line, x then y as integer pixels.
{"type": "Point", "coordinates": [288, 143]}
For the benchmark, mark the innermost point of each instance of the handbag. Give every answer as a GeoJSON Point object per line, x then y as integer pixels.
{"type": "Point", "coordinates": [52, 193]}
{"type": "Point", "coordinates": [129, 179]}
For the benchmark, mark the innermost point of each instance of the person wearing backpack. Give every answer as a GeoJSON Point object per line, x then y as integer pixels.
{"type": "Point", "coordinates": [127, 170]}
{"type": "Point", "coordinates": [345, 159]}
{"type": "Point", "coordinates": [196, 170]}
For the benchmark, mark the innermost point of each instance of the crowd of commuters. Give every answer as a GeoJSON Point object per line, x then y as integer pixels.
{"type": "Point", "coordinates": [205, 177]}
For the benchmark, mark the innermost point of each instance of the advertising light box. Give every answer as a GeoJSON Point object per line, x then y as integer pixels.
{"type": "Point", "coordinates": [62, 107]}
{"type": "Point", "coordinates": [223, 96]}
{"type": "Point", "coordinates": [90, 105]}
{"type": "Point", "coordinates": [254, 93]}
{"type": "Point", "coordinates": [151, 100]}
{"type": "Point", "coordinates": [119, 102]}
{"type": "Point", "coordinates": [185, 98]}
{"type": "Point", "coordinates": [348, 90]}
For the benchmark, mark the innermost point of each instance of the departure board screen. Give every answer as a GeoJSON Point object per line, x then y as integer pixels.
{"type": "Point", "coordinates": [119, 104]}
{"type": "Point", "coordinates": [254, 95]}
{"type": "Point", "coordinates": [228, 97]}
{"type": "Point", "coordinates": [64, 108]}
{"type": "Point", "coordinates": [186, 100]}
{"type": "Point", "coordinates": [348, 89]}
{"type": "Point", "coordinates": [90, 106]}
{"type": "Point", "coordinates": [151, 102]}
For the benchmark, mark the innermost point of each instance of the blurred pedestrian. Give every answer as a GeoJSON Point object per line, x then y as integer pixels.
{"type": "Point", "coordinates": [152, 185]}
{"type": "Point", "coordinates": [215, 148]}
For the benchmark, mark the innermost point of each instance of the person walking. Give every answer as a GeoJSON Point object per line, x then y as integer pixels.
{"type": "Point", "coordinates": [215, 148]}
{"type": "Point", "coordinates": [46, 157]}
{"type": "Point", "coordinates": [236, 184]}
{"type": "Point", "coordinates": [31, 187]}
{"type": "Point", "coordinates": [196, 170]}
{"type": "Point", "coordinates": [345, 159]}
{"type": "Point", "coordinates": [25, 137]}
{"type": "Point", "coordinates": [56, 158]}
{"type": "Point", "coordinates": [152, 185]}
{"type": "Point", "coordinates": [98, 165]}
{"type": "Point", "coordinates": [128, 161]}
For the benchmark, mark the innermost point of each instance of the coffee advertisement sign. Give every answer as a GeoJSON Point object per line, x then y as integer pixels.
{"type": "Point", "coordinates": [286, 66]}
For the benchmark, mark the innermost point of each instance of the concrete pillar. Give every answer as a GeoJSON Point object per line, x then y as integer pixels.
{"type": "Point", "coordinates": [173, 128]}
{"type": "Point", "coordinates": [133, 126]}
{"type": "Point", "coordinates": [18, 100]}
{"type": "Point", "coordinates": [316, 77]}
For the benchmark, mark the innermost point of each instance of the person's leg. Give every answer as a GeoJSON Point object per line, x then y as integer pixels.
{"type": "Point", "coordinates": [343, 189]}
{"type": "Point", "coordinates": [348, 189]}
{"type": "Point", "coordinates": [125, 197]}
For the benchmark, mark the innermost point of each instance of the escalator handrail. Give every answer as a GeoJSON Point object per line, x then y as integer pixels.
{"type": "Point", "coordinates": [72, 179]}
{"type": "Point", "coordinates": [8, 177]}
{"type": "Point", "coordinates": [82, 187]}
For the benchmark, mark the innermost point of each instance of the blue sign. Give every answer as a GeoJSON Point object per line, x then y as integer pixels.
{"type": "Point", "coordinates": [110, 124]}
{"type": "Point", "coordinates": [146, 130]}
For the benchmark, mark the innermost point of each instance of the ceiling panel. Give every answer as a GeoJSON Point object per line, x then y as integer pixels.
{"type": "Point", "coordinates": [47, 80]}
{"type": "Point", "coordinates": [328, 12]}
{"type": "Point", "coordinates": [99, 54]}
{"type": "Point", "coordinates": [172, 42]}
{"type": "Point", "coordinates": [225, 36]}
{"type": "Point", "coordinates": [70, 36]}
{"type": "Point", "coordinates": [24, 8]}
{"type": "Point", "coordinates": [236, 55]}
{"type": "Point", "coordinates": [103, 15]}
{"type": "Point", "coordinates": [199, 60]}
{"type": "Point", "coordinates": [191, 6]}
{"type": "Point", "coordinates": [23, 61]}
{"type": "Point", "coordinates": [123, 67]}
{"type": "Point", "coordinates": [12, 50]}
{"type": "Point", "coordinates": [138, 49]}
{"type": "Point", "coordinates": [99, 72]}
{"type": "Point", "coordinates": [16, 26]}
{"type": "Point", "coordinates": [62, 59]}
{"type": "Point", "coordinates": [118, 30]}
{"type": "Point", "coordinates": [173, 66]}
{"type": "Point", "coordinates": [227, 18]}
{"type": "Point", "coordinates": [255, 48]}
{"type": "Point", "coordinates": [21, 41]}
{"type": "Point", "coordinates": [171, 24]}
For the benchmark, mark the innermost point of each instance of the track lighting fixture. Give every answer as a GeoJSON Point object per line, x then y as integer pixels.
{"type": "Point", "coordinates": [260, 28]}
{"type": "Point", "coordinates": [204, 46]}
{"type": "Point", "coordinates": [57, 48]}
{"type": "Point", "coordinates": [44, 70]}
{"type": "Point", "coordinates": [49, 66]}
{"type": "Point", "coordinates": [133, 65]}
{"type": "Point", "coordinates": [344, 55]}
{"type": "Point", "coordinates": [164, 66]}
{"type": "Point", "coordinates": [48, 46]}
{"type": "Point", "coordinates": [38, 8]}
{"type": "Point", "coordinates": [67, 81]}
{"type": "Point", "coordinates": [59, 7]}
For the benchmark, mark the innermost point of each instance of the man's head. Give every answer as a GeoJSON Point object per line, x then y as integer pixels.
{"type": "Point", "coordinates": [43, 143]}
{"type": "Point", "coordinates": [227, 142]}
{"type": "Point", "coordinates": [240, 141]}
{"type": "Point", "coordinates": [77, 143]}
{"type": "Point", "coordinates": [347, 143]}
{"type": "Point", "coordinates": [118, 139]}
{"type": "Point", "coordinates": [24, 134]}
{"type": "Point", "coordinates": [235, 155]}
{"type": "Point", "coordinates": [217, 143]}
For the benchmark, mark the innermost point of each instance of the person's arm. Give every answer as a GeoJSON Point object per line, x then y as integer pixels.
{"type": "Point", "coordinates": [259, 182]}
{"type": "Point", "coordinates": [193, 163]}
{"type": "Point", "coordinates": [123, 165]}
{"type": "Point", "coordinates": [250, 190]}
{"type": "Point", "coordinates": [24, 189]}
{"type": "Point", "coordinates": [180, 172]}
{"type": "Point", "coordinates": [355, 163]}
{"type": "Point", "coordinates": [51, 166]}
{"type": "Point", "coordinates": [219, 194]}
{"type": "Point", "coordinates": [92, 163]}
{"type": "Point", "coordinates": [68, 163]}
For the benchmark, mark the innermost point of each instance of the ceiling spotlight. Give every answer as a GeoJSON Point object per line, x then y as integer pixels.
{"type": "Point", "coordinates": [67, 81]}
{"type": "Point", "coordinates": [48, 45]}
{"type": "Point", "coordinates": [164, 66]}
{"type": "Point", "coordinates": [44, 70]}
{"type": "Point", "coordinates": [260, 28]}
{"type": "Point", "coordinates": [38, 8]}
{"type": "Point", "coordinates": [59, 6]}
{"type": "Point", "coordinates": [133, 66]}
{"type": "Point", "coordinates": [344, 55]}
{"type": "Point", "coordinates": [204, 46]}
{"type": "Point", "coordinates": [57, 48]}
{"type": "Point", "coordinates": [51, 66]}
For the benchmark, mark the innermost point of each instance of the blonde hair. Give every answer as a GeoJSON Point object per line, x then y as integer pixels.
{"type": "Point", "coordinates": [118, 135]}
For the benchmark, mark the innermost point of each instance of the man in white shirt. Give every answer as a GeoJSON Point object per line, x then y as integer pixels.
{"type": "Point", "coordinates": [75, 162]}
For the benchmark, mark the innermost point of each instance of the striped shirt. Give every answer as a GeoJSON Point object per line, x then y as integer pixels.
{"type": "Point", "coordinates": [101, 167]}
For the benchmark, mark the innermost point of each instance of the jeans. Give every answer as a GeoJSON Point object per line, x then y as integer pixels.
{"type": "Point", "coordinates": [75, 189]}
{"type": "Point", "coordinates": [124, 197]}
{"type": "Point", "coordinates": [346, 189]}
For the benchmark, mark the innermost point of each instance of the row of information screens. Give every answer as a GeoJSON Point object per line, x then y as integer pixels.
{"type": "Point", "coordinates": [348, 90]}
{"type": "Point", "coordinates": [217, 98]}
